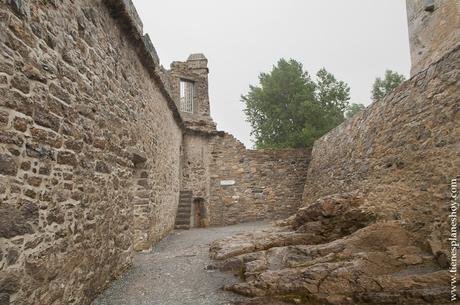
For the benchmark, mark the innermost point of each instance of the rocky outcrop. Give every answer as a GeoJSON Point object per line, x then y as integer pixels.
{"type": "Point", "coordinates": [323, 256]}
{"type": "Point", "coordinates": [373, 228]}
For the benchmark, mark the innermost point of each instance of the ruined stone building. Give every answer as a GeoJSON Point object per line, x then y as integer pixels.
{"type": "Point", "coordinates": [378, 223]}
{"type": "Point", "coordinates": [103, 151]}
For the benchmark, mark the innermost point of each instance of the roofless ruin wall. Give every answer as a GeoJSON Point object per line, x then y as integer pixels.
{"type": "Point", "coordinates": [90, 154]}
{"type": "Point", "coordinates": [90, 142]}
{"type": "Point", "coordinates": [249, 185]}
{"type": "Point", "coordinates": [401, 152]}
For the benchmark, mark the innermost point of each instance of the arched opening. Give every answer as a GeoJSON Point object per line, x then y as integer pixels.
{"type": "Point", "coordinates": [198, 213]}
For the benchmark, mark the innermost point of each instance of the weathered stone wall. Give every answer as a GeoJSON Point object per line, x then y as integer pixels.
{"type": "Point", "coordinates": [401, 152]}
{"type": "Point", "coordinates": [195, 69]}
{"type": "Point", "coordinates": [268, 183]}
{"type": "Point", "coordinates": [89, 155]}
{"type": "Point", "coordinates": [434, 29]}
{"type": "Point", "coordinates": [195, 166]}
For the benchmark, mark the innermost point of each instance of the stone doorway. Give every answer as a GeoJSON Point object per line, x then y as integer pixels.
{"type": "Point", "coordinates": [198, 213]}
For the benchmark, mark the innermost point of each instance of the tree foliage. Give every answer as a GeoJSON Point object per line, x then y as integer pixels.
{"type": "Point", "coordinates": [353, 109]}
{"type": "Point", "coordinates": [289, 109]}
{"type": "Point", "coordinates": [382, 87]}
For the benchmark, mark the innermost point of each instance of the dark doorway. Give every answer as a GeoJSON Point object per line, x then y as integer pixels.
{"type": "Point", "coordinates": [199, 213]}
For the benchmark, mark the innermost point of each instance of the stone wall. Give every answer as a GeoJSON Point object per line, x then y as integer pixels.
{"type": "Point", "coordinates": [434, 29]}
{"type": "Point", "coordinates": [268, 184]}
{"type": "Point", "coordinates": [89, 161]}
{"type": "Point", "coordinates": [195, 69]}
{"type": "Point", "coordinates": [195, 165]}
{"type": "Point", "coordinates": [401, 152]}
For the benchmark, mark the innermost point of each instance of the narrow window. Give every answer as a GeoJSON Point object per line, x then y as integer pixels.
{"type": "Point", "coordinates": [187, 90]}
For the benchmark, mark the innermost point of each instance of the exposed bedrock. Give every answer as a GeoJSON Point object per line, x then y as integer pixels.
{"type": "Point", "coordinates": [327, 219]}
{"type": "Point", "coordinates": [333, 252]}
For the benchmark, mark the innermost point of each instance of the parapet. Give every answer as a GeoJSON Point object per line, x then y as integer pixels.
{"type": "Point", "coordinates": [128, 19]}
{"type": "Point", "coordinates": [197, 61]}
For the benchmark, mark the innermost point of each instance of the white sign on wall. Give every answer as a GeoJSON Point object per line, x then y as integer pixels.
{"type": "Point", "coordinates": [227, 182]}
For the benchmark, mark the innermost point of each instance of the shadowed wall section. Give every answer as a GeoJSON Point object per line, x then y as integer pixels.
{"type": "Point", "coordinates": [89, 155]}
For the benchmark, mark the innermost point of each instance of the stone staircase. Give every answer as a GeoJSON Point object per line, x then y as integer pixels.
{"type": "Point", "coordinates": [184, 211]}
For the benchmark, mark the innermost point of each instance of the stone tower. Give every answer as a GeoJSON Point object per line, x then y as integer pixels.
{"type": "Point", "coordinates": [434, 29]}
{"type": "Point", "coordinates": [189, 88]}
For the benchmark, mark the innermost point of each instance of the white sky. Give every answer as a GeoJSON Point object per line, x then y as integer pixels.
{"type": "Point", "coordinates": [356, 40]}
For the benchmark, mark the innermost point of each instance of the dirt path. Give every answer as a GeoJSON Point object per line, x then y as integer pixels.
{"type": "Point", "coordinates": [174, 273]}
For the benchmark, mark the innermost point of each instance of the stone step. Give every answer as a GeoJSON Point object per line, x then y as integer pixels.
{"type": "Point", "coordinates": [184, 211]}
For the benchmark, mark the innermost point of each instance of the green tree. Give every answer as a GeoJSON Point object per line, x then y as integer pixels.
{"type": "Point", "coordinates": [382, 87]}
{"type": "Point", "coordinates": [289, 109]}
{"type": "Point", "coordinates": [353, 109]}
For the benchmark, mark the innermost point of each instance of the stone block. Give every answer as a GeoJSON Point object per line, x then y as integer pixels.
{"type": "Point", "coordinates": [8, 165]}
{"type": "Point", "coordinates": [67, 158]}
{"type": "Point", "coordinates": [4, 118]}
{"type": "Point", "coordinates": [136, 156]}
{"type": "Point", "coordinates": [44, 118]}
{"type": "Point", "coordinates": [21, 83]}
{"type": "Point", "coordinates": [20, 7]}
{"type": "Point", "coordinates": [4, 299]}
{"type": "Point", "coordinates": [8, 137]}
{"type": "Point", "coordinates": [76, 146]}
{"type": "Point", "coordinates": [60, 93]}
{"type": "Point", "coordinates": [40, 135]}
{"type": "Point", "coordinates": [26, 165]}
{"type": "Point", "coordinates": [20, 124]}
{"type": "Point", "coordinates": [34, 181]}
{"type": "Point", "coordinates": [102, 167]}
{"type": "Point", "coordinates": [14, 223]}
{"type": "Point", "coordinates": [35, 150]}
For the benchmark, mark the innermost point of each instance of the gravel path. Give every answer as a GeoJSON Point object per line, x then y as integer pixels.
{"type": "Point", "coordinates": [174, 273]}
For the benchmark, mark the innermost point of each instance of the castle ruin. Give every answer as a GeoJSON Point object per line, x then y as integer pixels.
{"type": "Point", "coordinates": [103, 151]}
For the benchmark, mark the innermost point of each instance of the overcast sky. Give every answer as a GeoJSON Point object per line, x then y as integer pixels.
{"type": "Point", "coordinates": [356, 40]}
